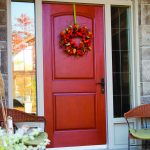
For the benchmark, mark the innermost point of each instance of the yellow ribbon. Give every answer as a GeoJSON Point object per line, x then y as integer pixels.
{"type": "Point", "coordinates": [74, 13]}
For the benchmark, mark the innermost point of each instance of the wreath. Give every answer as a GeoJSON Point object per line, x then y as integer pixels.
{"type": "Point", "coordinates": [71, 47]}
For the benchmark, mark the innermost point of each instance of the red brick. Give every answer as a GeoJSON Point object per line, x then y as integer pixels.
{"type": "Point", "coordinates": [2, 4]}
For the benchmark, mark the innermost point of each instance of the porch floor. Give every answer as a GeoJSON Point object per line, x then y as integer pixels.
{"type": "Point", "coordinates": [99, 149]}
{"type": "Point", "coordinates": [95, 149]}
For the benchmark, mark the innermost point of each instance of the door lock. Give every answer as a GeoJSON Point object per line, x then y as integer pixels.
{"type": "Point", "coordinates": [102, 84]}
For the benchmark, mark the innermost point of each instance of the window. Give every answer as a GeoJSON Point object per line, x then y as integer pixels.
{"type": "Point", "coordinates": [23, 56]}
{"type": "Point", "coordinates": [120, 58]}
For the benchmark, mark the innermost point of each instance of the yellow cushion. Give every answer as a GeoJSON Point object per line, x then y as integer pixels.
{"type": "Point", "coordinates": [143, 134]}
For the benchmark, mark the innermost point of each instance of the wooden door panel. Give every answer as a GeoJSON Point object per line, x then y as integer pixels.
{"type": "Point", "coordinates": [88, 85]}
{"type": "Point", "coordinates": [74, 103]}
{"type": "Point", "coordinates": [75, 111]}
{"type": "Point", "coordinates": [64, 65]}
{"type": "Point", "coordinates": [77, 137]}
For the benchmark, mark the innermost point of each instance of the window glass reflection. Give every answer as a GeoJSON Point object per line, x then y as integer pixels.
{"type": "Point", "coordinates": [23, 56]}
{"type": "Point", "coordinates": [120, 60]}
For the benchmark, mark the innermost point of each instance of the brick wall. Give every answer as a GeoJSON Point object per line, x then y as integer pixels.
{"type": "Point", "coordinates": [3, 43]}
{"type": "Point", "coordinates": [144, 26]}
{"type": "Point", "coordinates": [144, 37]}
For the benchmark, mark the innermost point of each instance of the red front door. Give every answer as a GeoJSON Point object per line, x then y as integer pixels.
{"type": "Point", "coordinates": [74, 102]}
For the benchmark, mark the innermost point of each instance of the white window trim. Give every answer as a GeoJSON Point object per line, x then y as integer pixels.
{"type": "Point", "coordinates": [9, 47]}
{"type": "Point", "coordinates": [108, 61]}
{"type": "Point", "coordinates": [108, 57]}
{"type": "Point", "coordinates": [40, 94]}
{"type": "Point", "coordinates": [39, 54]}
{"type": "Point", "coordinates": [136, 47]}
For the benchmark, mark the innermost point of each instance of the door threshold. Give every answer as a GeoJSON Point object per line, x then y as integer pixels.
{"type": "Point", "coordinates": [91, 147]}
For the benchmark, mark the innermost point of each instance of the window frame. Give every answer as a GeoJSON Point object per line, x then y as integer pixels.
{"type": "Point", "coordinates": [39, 66]}
{"type": "Point", "coordinates": [26, 94]}
{"type": "Point", "coordinates": [121, 51]}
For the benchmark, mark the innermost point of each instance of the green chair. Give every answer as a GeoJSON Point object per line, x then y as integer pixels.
{"type": "Point", "coordinates": [141, 112]}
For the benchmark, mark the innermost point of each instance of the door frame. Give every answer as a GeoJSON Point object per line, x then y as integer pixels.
{"type": "Point", "coordinates": [111, 121]}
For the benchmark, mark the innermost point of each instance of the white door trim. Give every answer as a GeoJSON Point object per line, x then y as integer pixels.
{"type": "Point", "coordinates": [39, 45]}
{"type": "Point", "coordinates": [93, 147]}
{"type": "Point", "coordinates": [108, 60]}
{"type": "Point", "coordinates": [39, 54]}
{"type": "Point", "coordinates": [109, 80]}
{"type": "Point", "coordinates": [112, 2]}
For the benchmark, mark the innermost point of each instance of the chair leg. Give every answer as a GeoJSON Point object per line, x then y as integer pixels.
{"type": "Point", "coordinates": [128, 143]}
{"type": "Point", "coordinates": [145, 144]}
